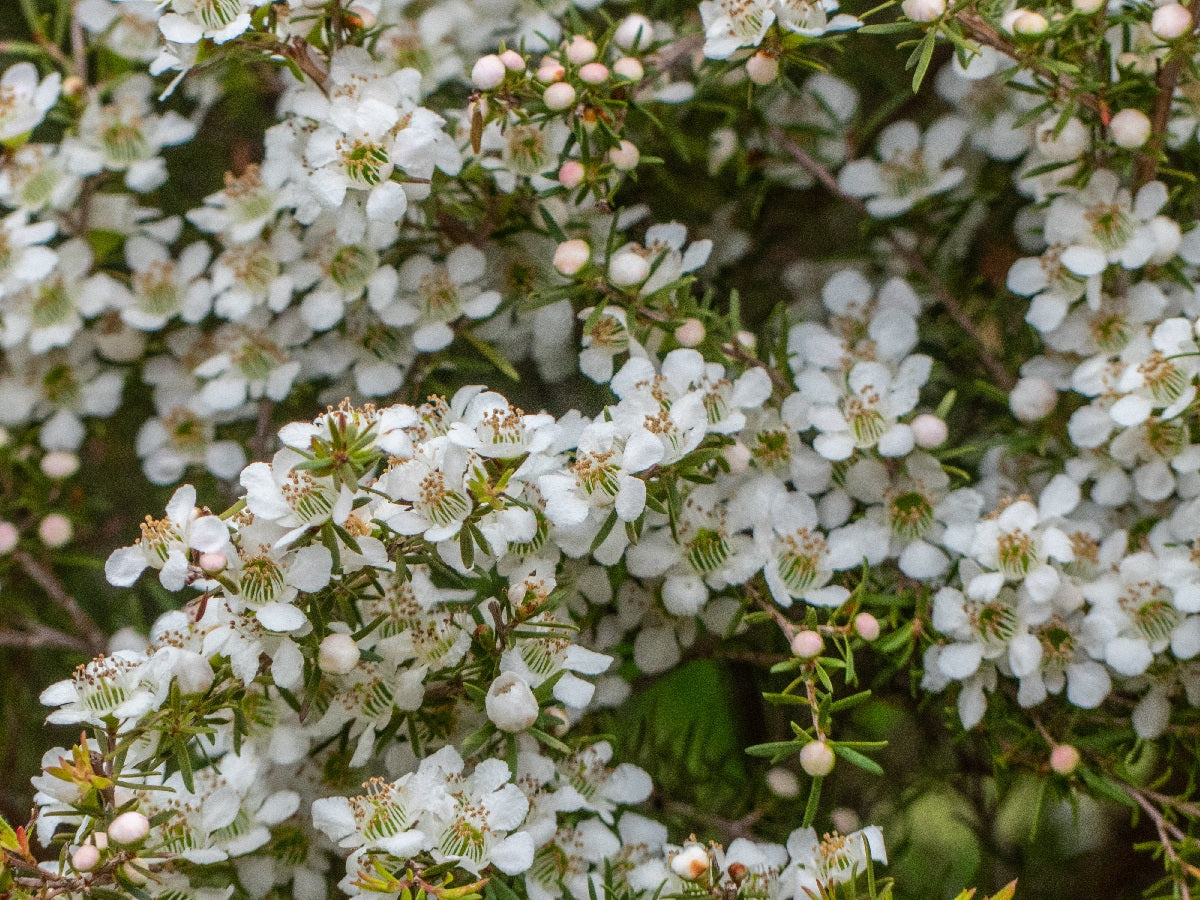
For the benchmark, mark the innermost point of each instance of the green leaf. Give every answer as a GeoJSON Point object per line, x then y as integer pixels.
{"type": "Point", "coordinates": [773, 748]}
{"type": "Point", "coordinates": [923, 62]}
{"type": "Point", "coordinates": [855, 758]}
{"type": "Point", "coordinates": [814, 803]}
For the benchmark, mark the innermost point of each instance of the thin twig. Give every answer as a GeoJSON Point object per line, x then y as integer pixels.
{"type": "Point", "coordinates": [1146, 165]}
{"type": "Point", "coordinates": [1165, 831]}
{"type": "Point", "coordinates": [912, 257]}
{"type": "Point", "coordinates": [88, 631]}
{"type": "Point", "coordinates": [35, 636]}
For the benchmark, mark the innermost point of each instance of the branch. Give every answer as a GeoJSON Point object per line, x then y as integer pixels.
{"type": "Point", "coordinates": [912, 257]}
{"type": "Point", "coordinates": [1166, 832]}
{"type": "Point", "coordinates": [1146, 165]}
{"type": "Point", "coordinates": [35, 636]}
{"type": "Point", "coordinates": [85, 626]}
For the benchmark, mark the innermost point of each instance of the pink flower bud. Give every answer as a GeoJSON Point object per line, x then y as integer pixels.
{"type": "Point", "coordinates": [55, 530]}
{"type": "Point", "coordinates": [338, 654]}
{"type": "Point", "coordinates": [628, 268]}
{"type": "Point", "coordinates": [691, 862]}
{"type": "Point", "coordinates": [212, 562]}
{"type": "Point", "coordinates": [746, 339]}
{"type": "Point", "coordinates": [550, 71]}
{"type": "Point", "coordinates": [571, 256]}
{"type": "Point", "coordinates": [807, 644]}
{"type": "Point", "coordinates": [513, 61]}
{"type": "Point", "coordinates": [594, 73]}
{"type": "Point", "coordinates": [571, 173]}
{"type": "Point", "coordinates": [628, 67]}
{"type": "Point", "coordinates": [1032, 399]}
{"type": "Point", "coordinates": [866, 626]}
{"type": "Point", "coordinates": [1030, 24]}
{"type": "Point", "coordinates": [8, 537]}
{"type": "Point", "coordinates": [85, 858]}
{"type": "Point", "coordinates": [634, 33]}
{"type": "Point", "coordinates": [762, 69]}
{"type": "Point", "coordinates": [60, 464]}
{"type": "Point", "coordinates": [924, 10]}
{"type": "Point", "coordinates": [1064, 759]}
{"type": "Point", "coordinates": [581, 50]}
{"type": "Point", "coordinates": [929, 431]}
{"type": "Point", "coordinates": [624, 157]}
{"type": "Point", "coordinates": [816, 758]}
{"type": "Point", "coordinates": [1130, 128]}
{"type": "Point", "coordinates": [559, 96]}
{"type": "Point", "coordinates": [488, 72]}
{"type": "Point", "coordinates": [129, 828]}
{"type": "Point", "coordinates": [690, 333]}
{"type": "Point", "coordinates": [1171, 21]}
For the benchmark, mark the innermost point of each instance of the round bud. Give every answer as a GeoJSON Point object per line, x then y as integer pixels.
{"type": "Point", "coordinates": [1171, 21]}
{"type": "Point", "coordinates": [738, 456]}
{"type": "Point", "coordinates": [55, 530]}
{"type": "Point", "coordinates": [1130, 128]}
{"type": "Point", "coordinates": [807, 644]}
{"type": "Point", "coordinates": [1032, 399]}
{"type": "Point", "coordinates": [816, 758]}
{"type": "Point", "coordinates": [783, 782]}
{"type": "Point", "coordinates": [60, 464]}
{"type": "Point", "coordinates": [212, 562]}
{"type": "Point", "coordinates": [691, 862]}
{"type": "Point", "coordinates": [866, 626]}
{"type": "Point", "coordinates": [338, 654]}
{"type": "Point", "coordinates": [1030, 24]}
{"type": "Point", "coordinates": [1061, 144]}
{"type": "Point", "coordinates": [624, 157]}
{"type": "Point", "coordinates": [628, 67]}
{"type": "Point", "coordinates": [1064, 759]}
{"type": "Point", "coordinates": [513, 61]}
{"type": "Point", "coordinates": [559, 96]}
{"type": "Point", "coordinates": [73, 86]}
{"type": "Point", "coordinates": [924, 10]}
{"type": "Point", "coordinates": [628, 268]}
{"type": "Point", "coordinates": [85, 858]}
{"type": "Point", "coordinates": [129, 828]}
{"type": "Point", "coordinates": [762, 69]}
{"type": "Point", "coordinates": [488, 72]}
{"type": "Point", "coordinates": [510, 703]}
{"type": "Point", "coordinates": [746, 339]}
{"type": "Point", "coordinates": [193, 672]}
{"type": "Point", "coordinates": [8, 537]}
{"type": "Point", "coordinates": [571, 173]}
{"type": "Point", "coordinates": [366, 16]}
{"type": "Point", "coordinates": [5, 437]}
{"type": "Point", "coordinates": [690, 333]}
{"type": "Point", "coordinates": [1087, 7]}
{"type": "Point", "coordinates": [571, 256]}
{"type": "Point", "coordinates": [929, 431]}
{"type": "Point", "coordinates": [550, 71]}
{"type": "Point", "coordinates": [594, 73]}
{"type": "Point", "coordinates": [634, 33]}
{"type": "Point", "coordinates": [581, 50]}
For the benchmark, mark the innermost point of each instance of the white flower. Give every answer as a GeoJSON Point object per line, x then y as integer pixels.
{"type": "Point", "coordinates": [817, 864]}
{"type": "Point", "coordinates": [24, 99]}
{"type": "Point", "coordinates": [1100, 224]}
{"type": "Point", "coordinates": [911, 166]}
{"type": "Point", "coordinates": [112, 687]}
{"type": "Point", "coordinates": [510, 703]}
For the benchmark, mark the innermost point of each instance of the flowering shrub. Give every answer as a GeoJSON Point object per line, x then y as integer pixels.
{"type": "Point", "coordinates": [866, 455]}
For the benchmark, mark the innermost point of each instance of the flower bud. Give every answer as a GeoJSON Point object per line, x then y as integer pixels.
{"type": "Point", "coordinates": [193, 673]}
{"type": "Point", "coordinates": [55, 530]}
{"type": "Point", "coordinates": [581, 50]}
{"type": "Point", "coordinates": [338, 654]}
{"type": "Point", "coordinates": [559, 96]}
{"type": "Point", "coordinates": [690, 333]}
{"type": "Point", "coordinates": [488, 72]}
{"type": "Point", "coordinates": [929, 431]}
{"type": "Point", "coordinates": [212, 563]}
{"type": "Point", "coordinates": [628, 67]}
{"type": "Point", "coordinates": [85, 858]}
{"type": "Point", "coordinates": [59, 464]}
{"type": "Point", "coordinates": [594, 73]}
{"type": "Point", "coordinates": [1061, 144]}
{"type": "Point", "coordinates": [1171, 21]}
{"type": "Point", "coordinates": [9, 535]}
{"type": "Point", "coordinates": [816, 758]}
{"type": "Point", "coordinates": [738, 456]}
{"type": "Point", "coordinates": [1032, 399]}
{"type": "Point", "coordinates": [628, 268]}
{"type": "Point", "coordinates": [550, 71]}
{"type": "Point", "coordinates": [1087, 7]}
{"type": "Point", "coordinates": [570, 173]}
{"type": "Point", "coordinates": [571, 256]}
{"type": "Point", "coordinates": [634, 33]}
{"type": "Point", "coordinates": [513, 61]}
{"type": "Point", "coordinates": [1030, 24]}
{"type": "Point", "coordinates": [624, 157]}
{"type": "Point", "coordinates": [1130, 128]}
{"type": "Point", "coordinates": [807, 644]}
{"type": "Point", "coordinates": [924, 10]}
{"type": "Point", "coordinates": [510, 703]}
{"type": "Point", "coordinates": [691, 862]}
{"type": "Point", "coordinates": [129, 828]}
{"type": "Point", "coordinates": [783, 782]}
{"type": "Point", "coordinates": [1064, 759]}
{"type": "Point", "coordinates": [746, 339]}
{"type": "Point", "coordinates": [762, 68]}
{"type": "Point", "coordinates": [866, 626]}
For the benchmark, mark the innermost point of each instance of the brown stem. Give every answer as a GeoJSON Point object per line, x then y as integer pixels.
{"type": "Point", "coordinates": [916, 262]}
{"type": "Point", "coordinates": [1146, 164]}
{"type": "Point", "coordinates": [87, 630]}
{"type": "Point", "coordinates": [1166, 831]}
{"type": "Point", "coordinates": [35, 636]}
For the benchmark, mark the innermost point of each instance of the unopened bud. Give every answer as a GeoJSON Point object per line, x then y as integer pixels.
{"type": "Point", "coordinates": [513, 61]}
{"type": "Point", "coordinates": [1064, 759]}
{"type": "Point", "coordinates": [212, 562]}
{"type": "Point", "coordinates": [9, 535]}
{"type": "Point", "coordinates": [690, 333]}
{"type": "Point", "coordinates": [691, 862]}
{"type": "Point", "coordinates": [1032, 399]}
{"type": "Point", "coordinates": [593, 73]}
{"type": "Point", "coordinates": [816, 758]}
{"type": "Point", "coordinates": [488, 72]}
{"type": "Point", "coordinates": [628, 67]}
{"type": "Point", "coordinates": [929, 431]}
{"type": "Point", "coordinates": [762, 68]}
{"type": "Point", "coordinates": [571, 256]}
{"type": "Point", "coordinates": [625, 156]}
{"type": "Point", "coordinates": [338, 654]}
{"type": "Point", "coordinates": [746, 339]}
{"type": "Point", "coordinates": [571, 173]}
{"type": "Point", "coordinates": [1171, 21]}
{"type": "Point", "coordinates": [1087, 7]}
{"type": "Point", "coordinates": [1030, 24]}
{"type": "Point", "coordinates": [55, 530]}
{"type": "Point", "coordinates": [59, 464]}
{"type": "Point", "coordinates": [581, 50]}
{"type": "Point", "coordinates": [866, 626]}
{"type": "Point", "coordinates": [85, 858]}
{"type": "Point", "coordinates": [73, 86]}
{"type": "Point", "coordinates": [634, 33]}
{"type": "Point", "coordinates": [129, 828]}
{"type": "Point", "coordinates": [924, 10]}
{"type": "Point", "coordinates": [1130, 128]}
{"type": "Point", "coordinates": [550, 71]}
{"type": "Point", "coordinates": [628, 268]}
{"type": "Point", "coordinates": [807, 644]}
{"type": "Point", "coordinates": [783, 782]}
{"type": "Point", "coordinates": [559, 96]}
{"type": "Point", "coordinates": [510, 703]}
